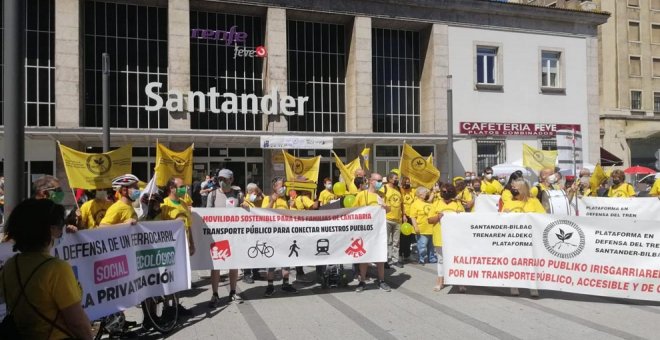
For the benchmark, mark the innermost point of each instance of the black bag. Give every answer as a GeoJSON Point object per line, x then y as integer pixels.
{"type": "Point", "coordinates": [8, 328]}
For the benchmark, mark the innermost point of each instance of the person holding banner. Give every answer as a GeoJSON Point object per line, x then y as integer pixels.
{"type": "Point", "coordinates": [463, 193]}
{"type": "Point", "coordinates": [448, 204]}
{"type": "Point", "coordinates": [254, 196]}
{"type": "Point", "coordinates": [277, 200]}
{"type": "Point", "coordinates": [93, 211]}
{"type": "Point", "coordinates": [619, 186]}
{"type": "Point", "coordinates": [547, 181]}
{"type": "Point", "coordinates": [41, 291]}
{"type": "Point", "coordinates": [490, 185]}
{"type": "Point", "coordinates": [327, 194]}
{"type": "Point", "coordinates": [122, 210]}
{"type": "Point", "coordinates": [420, 212]}
{"type": "Point", "coordinates": [367, 198]}
{"type": "Point", "coordinates": [522, 203]}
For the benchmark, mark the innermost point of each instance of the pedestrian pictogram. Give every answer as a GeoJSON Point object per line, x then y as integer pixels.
{"type": "Point", "coordinates": [294, 249]}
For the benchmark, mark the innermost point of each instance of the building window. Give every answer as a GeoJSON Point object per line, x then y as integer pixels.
{"type": "Point", "coordinates": [635, 100]}
{"type": "Point", "coordinates": [655, 5]}
{"type": "Point", "coordinates": [633, 3]}
{"type": "Point", "coordinates": [635, 66]}
{"type": "Point", "coordinates": [214, 64]}
{"type": "Point", "coordinates": [549, 144]}
{"type": "Point", "coordinates": [656, 102]}
{"type": "Point", "coordinates": [656, 67]}
{"type": "Point", "coordinates": [396, 91]}
{"type": "Point", "coordinates": [135, 37]}
{"type": "Point", "coordinates": [550, 64]}
{"type": "Point", "coordinates": [316, 69]}
{"type": "Point", "coordinates": [487, 65]}
{"type": "Point", "coordinates": [633, 31]}
{"type": "Point", "coordinates": [655, 33]}
{"type": "Point", "coordinates": [490, 153]}
{"type": "Point", "coordinates": [39, 63]}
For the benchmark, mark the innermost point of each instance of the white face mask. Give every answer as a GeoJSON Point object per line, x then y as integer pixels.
{"type": "Point", "coordinates": [253, 197]}
{"type": "Point", "coordinates": [489, 176]}
{"type": "Point", "coordinates": [552, 179]}
{"type": "Point", "coordinates": [101, 195]}
{"type": "Point", "coordinates": [328, 186]}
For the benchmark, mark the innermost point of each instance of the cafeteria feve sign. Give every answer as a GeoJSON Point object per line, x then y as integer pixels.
{"type": "Point", "coordinates": [514, 129]}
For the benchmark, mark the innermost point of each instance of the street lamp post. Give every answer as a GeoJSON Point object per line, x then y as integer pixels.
{"type": "Point", "coordinates": [104, 98]}
{"type": "Point", "coordinates": [450, 130]}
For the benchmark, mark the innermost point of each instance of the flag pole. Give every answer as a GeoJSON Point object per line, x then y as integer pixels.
{"type": "Point", "coordinates": [575, 174]}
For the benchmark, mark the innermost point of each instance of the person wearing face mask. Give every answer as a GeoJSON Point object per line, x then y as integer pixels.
{"type": "Point", "coordinates": [48, 187]}
{"type": "Point", "coordinates": [370, 197]}
{"type": "Point", "coordinates": [359, 181]}
{"type": "Point", "coordinates": [327, 194]}
{"type": "Point", "coordinates": [254, 196]}
{"type": "Point", "coordinates": [408, 196]}
{"type": "Point", "coordinates": [420, 212]}
{"type": "Point", "coordinates": [448, 204]}
{"type": "Point", "coordinates": [476, 186]}
{"type": "Point", "coordinates": [619, 186]}
{"type": "Point", "coordinates": [93, 211]}
{"type": "Point", "coordinates": [394, 218]}
{"type": "Point", "coordinates": [122, 210]}
{"type": "Point", "coordinates": [463, 193]}
{"type": "Point", "coordinates": [506, 193]}
{"type": "Point", "coordinates": [278, 200]}
{"type": "Point", "coordinates": [490, 185]}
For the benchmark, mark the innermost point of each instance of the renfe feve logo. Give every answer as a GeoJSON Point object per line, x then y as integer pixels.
{"type": "Point", "coordinates": [563, 239]}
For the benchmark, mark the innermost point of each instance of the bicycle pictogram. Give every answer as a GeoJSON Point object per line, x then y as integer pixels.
{"type": "Point", "coordinates": [261, 248]}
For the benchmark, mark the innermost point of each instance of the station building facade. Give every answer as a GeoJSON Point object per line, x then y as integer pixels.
{"type": "Point", "coordinates": [225, 75]}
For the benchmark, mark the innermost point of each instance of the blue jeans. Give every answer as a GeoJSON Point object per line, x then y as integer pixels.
{"type": "Point", "coordinates": [425, 249]}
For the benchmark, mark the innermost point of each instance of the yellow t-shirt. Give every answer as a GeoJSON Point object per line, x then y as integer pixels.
{"type": "Point", "coordinates": [507, 195]}
{"type": "Point", "coordinates": [393, 199]}
{"type": "Point", "coordinates": [655, 190]}
{"type": "Point", "coordinates": [421, 211]}
{"type": "Point", "coordinates": [326, 196]}
{"type": "Point", "coordinates": [533, 205]}
{"type": "Point", "coordinates": [119, 212]}
{"type": "Point", "coordinates": [171, 210]}
{"type": "Point", "coordinates": [303, 202]}
{"type": "Point", "coordinates": [280, 203]}
{"type": "Point", "coordinates": [187, 200]}
{"type": "Point", "coordinates": [52, 288]}
{"type": "Point", "coordinates": [454, 206]}
{"type": "Point", "coordinates": [623, 190]}
{"type": "Point", "coordinates": [408, 196]}
{"type": "Point", "coordinates": [492, 187]}
{"type": "Point", "coordinates": [93, 211]}
{"type": "Point", "coordinates": [465, 195]}
{"type": "Point", "coordinates": [365, 198]}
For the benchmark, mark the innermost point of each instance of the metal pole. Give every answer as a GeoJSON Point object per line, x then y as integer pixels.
{"type": "Point", "coordinates": [450, 131]}
{"type": "Point", "coordinates": [104, 98]}
{"type": "Point", "coordinates": [14, 105]}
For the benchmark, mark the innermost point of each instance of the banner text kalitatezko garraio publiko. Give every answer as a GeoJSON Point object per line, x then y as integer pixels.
{"type": "Point", "coordinates": [120, 266]}
{"type": "Point", "coordinates": [585, 255]}
{"type": "Point", "coordinates": [229, 238]}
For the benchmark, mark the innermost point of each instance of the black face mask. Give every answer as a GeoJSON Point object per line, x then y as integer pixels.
{"type": "Point", "coordinates": [405, 186]}
{"type": "Point", "coordinates": [616, 181]}
{"type": "Point", "coordinates": [358, 181]}
{"type": "Point", "coordinates": [515, 192]}
{"type": "Point", "coordinates": [395, 182]}
{"type": "Point", "coordinates": [446, 195]}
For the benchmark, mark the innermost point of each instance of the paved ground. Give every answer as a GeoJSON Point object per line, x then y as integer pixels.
{"type": "Point", "coordinates": [411, 311]}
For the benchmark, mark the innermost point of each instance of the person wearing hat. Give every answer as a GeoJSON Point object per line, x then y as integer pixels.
{"type": "Point", "coordinates": [225, 196]}
{"type": "Point", "coordinates": [122, 210]}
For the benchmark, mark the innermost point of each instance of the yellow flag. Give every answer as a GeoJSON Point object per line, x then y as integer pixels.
{"type": "Point", "coordinates": [597, 178]}
{"type": "Point", "coordinates": [301, 167]}
{"type": "Point", "coordinates": [95, 170]}
{"type": "Point", "coordinates": [421, 171]}
{"type": "Point", "coordinates": [365, 156]}
{"type": "Point", "coordinates": [538, 159]}
{"type": "Point", "coordinates": [347, 172]}
{"type": "Point", "coordinates": [173, 164]}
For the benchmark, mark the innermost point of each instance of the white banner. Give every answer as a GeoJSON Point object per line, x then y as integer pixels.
{"type": "Point", "coordinates": [486, 203]}
{"type": "Point", "coordinates": [640, 208]}
{"type": "Point", "coordinates": [228, 238]}
{"type": "Point", "coordinates": [296, 142]}
{"type": "Point", "coordinates": [585, 255]}
{"type": "Point", "coordinates": [118, 267]}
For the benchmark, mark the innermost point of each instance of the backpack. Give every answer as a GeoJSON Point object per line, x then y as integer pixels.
{"type": "Point", "coordinates": [8, 327]}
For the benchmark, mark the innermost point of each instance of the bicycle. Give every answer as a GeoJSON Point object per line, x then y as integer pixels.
{"type": "Point", "coordinates": [159, 312]}
{"type": "Point", "coordinates": [262, 249]}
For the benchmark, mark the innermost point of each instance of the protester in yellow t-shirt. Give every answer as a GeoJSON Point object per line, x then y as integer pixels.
{"type": "Point", "coordinates": [304, 202]}
{"type": "Point", "coordinates": [326, 195]}
{"type": "Point", "coordinates": [35, 280]}
{"type": "Point", "coordinates": [619, 186]}
{"type": "Point", "coordinates": [93, 211]}
{"type": "Point", "coordinates": [173, 208]}
{"type": "Point", "coordinates": [490, 185]}
{"type": "Point", "coordinates": [394, 218]}
{"type": "Point", "coordinates": [420, 212]}
{"type": "Point", "coordinates": [447, 204]}
{"type": "Point", "coordinates": [408, 196]}
{"type": "Point", "coordinates": [254, 196]}
{"type": "Point", "coordinates": [522, 203]}
{"type": "Point", "coordinates": [463, 194]}
{"type": "Point", "coordinates": [655, 190]}
{"type": "Point", "coordinates": [122, 211]}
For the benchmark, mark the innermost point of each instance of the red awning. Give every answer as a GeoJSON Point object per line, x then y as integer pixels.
{"type": "Point", "coordinates": [608, 159]}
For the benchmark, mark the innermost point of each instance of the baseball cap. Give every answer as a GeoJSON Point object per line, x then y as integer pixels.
{"type": "Point", "coordinates": [225, 173]}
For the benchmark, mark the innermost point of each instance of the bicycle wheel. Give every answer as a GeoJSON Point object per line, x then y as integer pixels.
{"type": "Point", "coordinates": [269, 251]}
{"type": "Point", "coordinates": [252, 252]}
{"type": "Point", "coordinates": [162, 312]}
